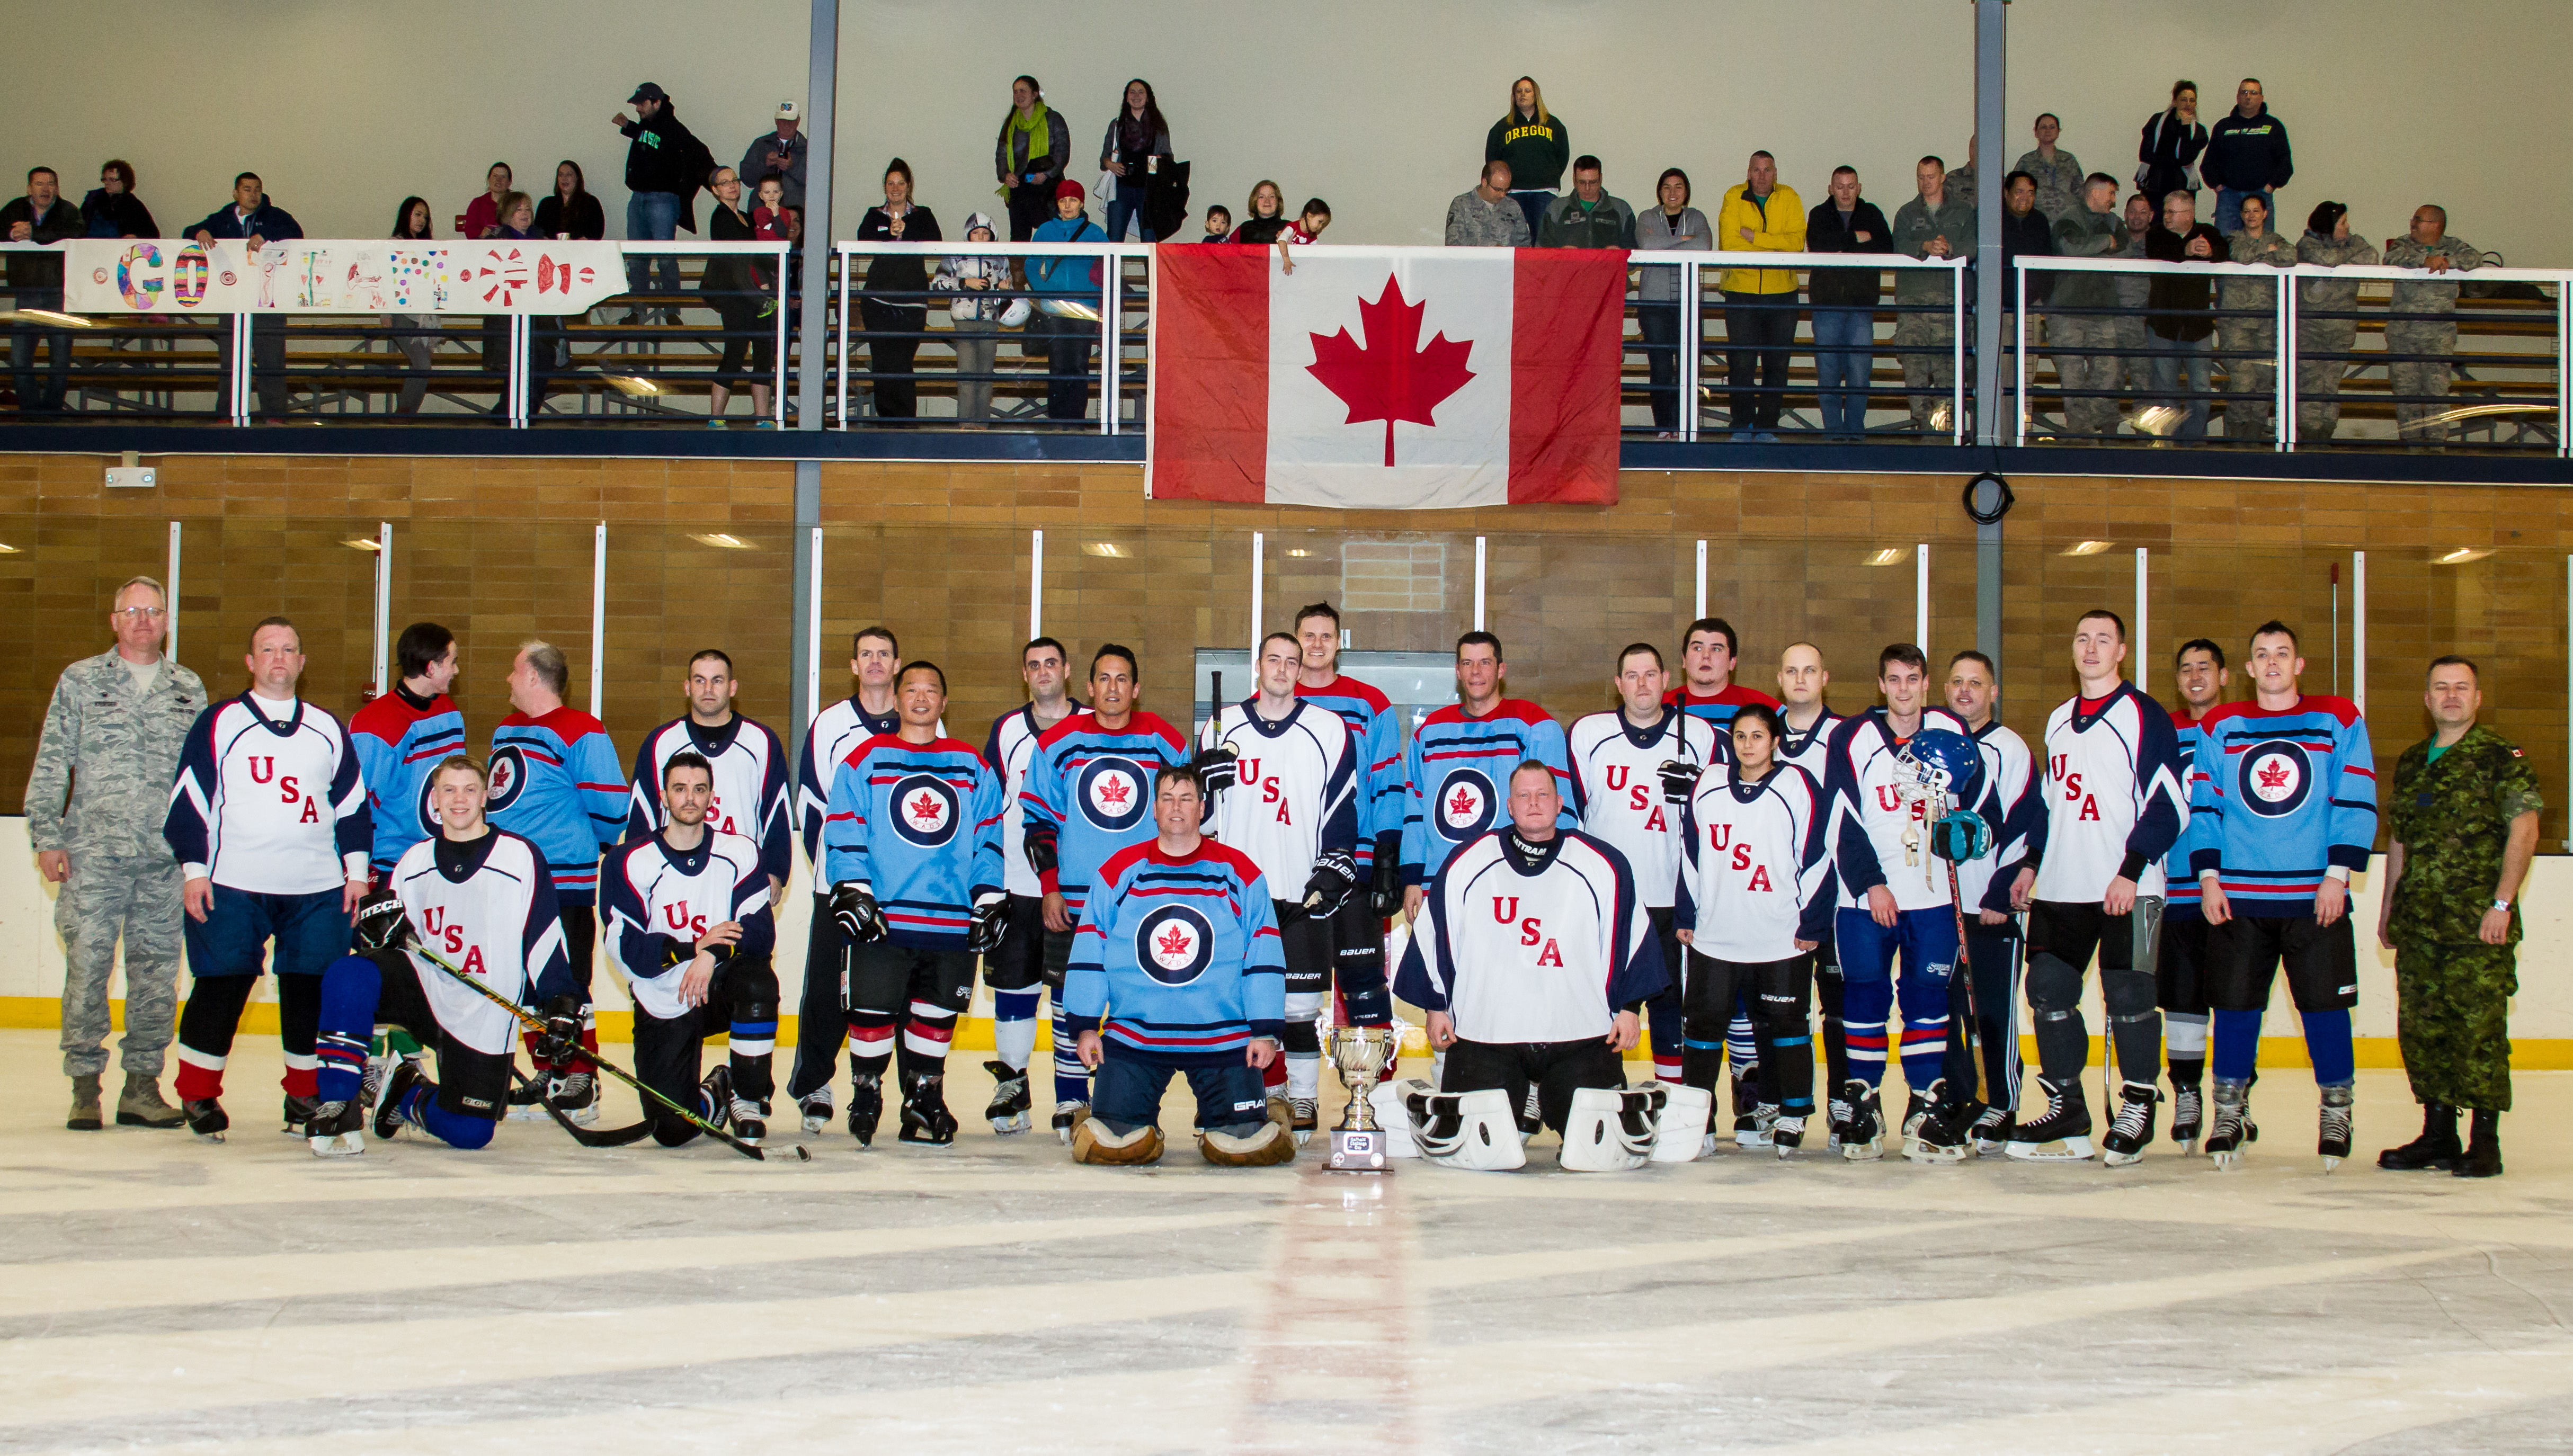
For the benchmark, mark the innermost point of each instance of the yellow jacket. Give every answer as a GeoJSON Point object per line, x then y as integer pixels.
{"type": "Point", "coordinates": [1782, 231]}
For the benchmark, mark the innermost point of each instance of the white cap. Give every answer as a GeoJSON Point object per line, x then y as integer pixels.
{"type": "Point", "coordinates": [786, 111]}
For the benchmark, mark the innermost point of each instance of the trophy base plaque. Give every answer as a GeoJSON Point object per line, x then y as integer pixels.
{"type": "Point", "coordinates": [1356, 1150]}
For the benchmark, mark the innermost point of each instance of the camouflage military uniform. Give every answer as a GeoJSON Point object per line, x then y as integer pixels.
{"type": "Point", "coordinates": [2134, 340]}
{"type": "Point", "coordinates": [2423, 320]}
{"type": "Point", "coordinates": [2318, 380]}
{"type": "Point", "coordinates": [2451, 990]}
{"type": "Point", "coordinates": [2083, 325]}
{"type": "Point", "coordinates": [1926, 341]}
{"type": "Point", "coordinates": [98, 791]}
{"type": "Point", "coordinates": [2250, 347]}
{"type": "Point", "coordinates": [2058, 185]}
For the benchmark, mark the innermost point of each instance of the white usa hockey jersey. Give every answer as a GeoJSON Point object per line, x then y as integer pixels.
{"type": "Point", "coordinates": [2115, 799]}
{"type": "Point", "coordinates": [752, 797]}
{"type": "Point", "coordinates": [1617, 790]}
{"type": "Point", "coordinates": [487, 908]}
{"type": "Point", "coordinates": [656, 899]}
{"type": "Point", "coordinates": [1532, 942]}
{"type": "Point", "coordinates": [271, 806]}
{"type": "Point", "coordinates": [1294, 791]}
{"type": "Point", "coordinates": [1757, 874]}
{"type": "Point", "coordinates": [2011, 806]}
{"type": "Point", "coordinates": [1870, 820]}
{"type": "Point", "coordinates": [1810, 750]}
{"type": "Point", "coordinates": [1009, 748]}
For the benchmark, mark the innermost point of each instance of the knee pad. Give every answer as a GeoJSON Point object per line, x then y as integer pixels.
{"type": "Point", "coordinates": [1611, 1130]}
{"type": "Point", "coordinates": [1475, 1131]}
{"type": "Point", "coordinates": [2054, 985]}
{"type": "Point", "coordinates": [1092, 1141]}
{"type": "Point", "coordinates": [1301, 1037]}
{"type": "Point", "coordinates": [2127, 994]}
{"type": "Point", "coordinates": [1270, 1145]}
{"type": "Point", "coordinates": [1681, 1132]}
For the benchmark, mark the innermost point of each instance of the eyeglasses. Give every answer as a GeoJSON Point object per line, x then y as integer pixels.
{"type": "Point", "coordinates": [140, 614]}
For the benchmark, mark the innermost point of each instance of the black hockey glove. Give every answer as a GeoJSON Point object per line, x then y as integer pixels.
{"type": "Point", "coordinates": [380, 924]}
{"type": "Point", "coordinates": [1385, 890]}
{"type": "Point", "coordinates": [856, 912]}
{"type": "Point", "coordinates": [1217, 769]}
{"type": "Point", "coordinates": [1333, 881]}
{"type": "Point", "coordinates": [561, 1044]}
{"type": "Point", "coordinates": [991, 921]}
{"type": "Point", "coordinates": [1679, 780]}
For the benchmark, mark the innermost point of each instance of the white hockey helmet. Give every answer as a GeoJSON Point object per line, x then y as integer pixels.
{"type": "Point", "coordinates": [1475, 1131]}
{"type": "Point", "coordinates": [1611, 1130]}
{"type": "Point", "coordinates": [1681, 1134]}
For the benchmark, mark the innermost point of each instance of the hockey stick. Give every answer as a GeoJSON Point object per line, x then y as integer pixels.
{"type": "Point", "coordinates": [586, 1137]}
{"type": "Point", "coordinates": [1973, 1007]}
{"type": "Point", "coordinates": [535, 1023]}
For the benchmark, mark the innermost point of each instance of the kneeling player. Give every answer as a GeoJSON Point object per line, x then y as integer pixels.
{"type": "Point", "coordinates": [688, 922]}
{"type": "Point", "coordinates": [1179, 938]}
{"type": "Point", "coordinates": [1534, 965]}
{"type": "Point", "coordinates": [1755, 899]}
{"type": "Point", "coordinates": [482, 901]}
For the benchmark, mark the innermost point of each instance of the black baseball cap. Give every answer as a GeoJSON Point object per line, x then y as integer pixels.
{"type": "Point", "coordinates": [648, 90]}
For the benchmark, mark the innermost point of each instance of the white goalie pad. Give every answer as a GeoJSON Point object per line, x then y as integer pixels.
{"type": "Point", "coordinates": [1611, 1130]}
{"type": "Point", "coordinates": [1681, 1134]}
{"type": "Point", "coordinates": [1393, 1118]}
{"type": "Point", "coordinates": [1475, 1131]}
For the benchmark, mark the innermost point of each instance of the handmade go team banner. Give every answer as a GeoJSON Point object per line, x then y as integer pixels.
{"type": "Point", "coordinates": [1423, 379]}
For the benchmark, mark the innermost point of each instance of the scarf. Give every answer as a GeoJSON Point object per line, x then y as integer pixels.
{"type": "Point", "coordinates": [1039, 137]}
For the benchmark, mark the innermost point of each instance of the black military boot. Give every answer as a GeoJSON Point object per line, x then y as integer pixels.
{"type": "Point", "coordinates": [2436, 1147]}
{"type": "Point", "coordinates": [2484, 1146]}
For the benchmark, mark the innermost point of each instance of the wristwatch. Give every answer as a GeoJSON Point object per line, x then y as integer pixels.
{"type": "Point", "coordinates": [2502, 905]}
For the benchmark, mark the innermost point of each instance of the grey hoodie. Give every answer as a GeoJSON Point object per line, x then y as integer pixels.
{"type": "Point", "coordinates": [992, 268]}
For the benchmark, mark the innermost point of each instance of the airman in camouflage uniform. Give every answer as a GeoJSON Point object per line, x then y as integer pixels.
{"type": "Point", "coordinates": [1936, 224]}
{"type": "Point", "coordinates": [2463, 819]}
{"type": "Point", "coordinates": [2135, 293]}
{"type": "Point", "coordinates": [2423, 322]}
{"type": "Point", "coordinates": [94, 802]}
{"type": "Point", "coordinates": [2329, 243]}
{"type": "Point", "coordinates": [2250, 347]}
{"type": "Point", "coordinates": [2083, 324]}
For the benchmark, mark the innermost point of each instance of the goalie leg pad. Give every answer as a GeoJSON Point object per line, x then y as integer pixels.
{"type": "Point", "coordinates": [1681, 1132]}
{"type": "Point", "coordinates": [1092, 1141]}
{"type": "Point", "coordinates": [1270, 1145]}
{"type": "Point", "coordinates": [1611, 1130]}
{"type": "Point", "coordinates": [1475, 1131]}
{"type": "Point", "coordinates": [1388, 1100]}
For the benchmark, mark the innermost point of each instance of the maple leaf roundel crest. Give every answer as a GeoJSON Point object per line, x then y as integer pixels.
{"type": "Point", "coordinates": [924, 810]}
{"type": "Point", "coordinates": [2276, 777]}
{"type": "Point", "coordinates": [1393, 375]}
{"type": "Point", "coordinates": [1113, 793]}
{"type": "Point", "coordinates": [1463, 807]}
{"type": "Point", "coordinates": [1174, 944]}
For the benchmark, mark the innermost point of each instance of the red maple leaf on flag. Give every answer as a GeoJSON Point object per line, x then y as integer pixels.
{"type": "Point", "coordinates": [1393, 377]}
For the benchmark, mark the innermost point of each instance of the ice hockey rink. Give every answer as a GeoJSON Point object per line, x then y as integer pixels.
{"type": "Point", "coordinates": [161, 1294]}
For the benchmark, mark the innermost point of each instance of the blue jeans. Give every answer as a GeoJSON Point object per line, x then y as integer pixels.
{"type": "Point", "coordinates": [1534, 203]}
{"type": "Point", "coordinates": [1121, 207]}
{"type": "Point", "coordinates": [2175, 358]}
{"type": "Point", "coordinates": [2228, 208]}
{"type": "Point", "coordinates": [1126, 1092]}
{"type": "Point", "coordinates": [651, 217]}
{"type": "Point", "coordinates": [32, 396]}
{"type": "Point", "coordinates": [1844, 343]}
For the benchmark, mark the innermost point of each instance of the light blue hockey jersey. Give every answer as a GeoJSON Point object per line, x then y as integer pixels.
{"type": "Point", "coordinates": [919, 825]}
{"type": "Point", "coordinates": [1457, 779]}
{"type": "Point", "coordinates": [1179, 958]}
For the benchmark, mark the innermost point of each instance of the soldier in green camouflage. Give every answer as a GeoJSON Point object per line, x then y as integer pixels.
{"type": "Point", "coordinates": [2083, 321]}
{"type": "Point", "coordinates": [94, 802]}
{"type": "Point", "coordinates": [1936, 224]}
{"type": "Point", "coordinates": [2421, 322]}
{"type": "Point", "coordinates": [2326, 318]}
{"type": "Point", "coordinates": [2461, 829]}
{"type": "Point", "coordinates": [2250, 345]}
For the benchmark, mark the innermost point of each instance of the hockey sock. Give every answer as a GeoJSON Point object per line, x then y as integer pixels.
{"type": "Point", "coordinates": [1013, 1027]}
{"type": "Point", "coordinates": [350, 988]}
{"type": "Point", "coordinates": [1303, 1047]}
{"type": "Point", "coordinates": [1865, 1005]}
{"type": "Point", "coordinates": [870, 1043]}
{"type": "Point", "coordinates": [1701, 1063]}
{"type": "Point", "coordinates": [2185, 1038]}
{"type": "Point", "coordinates": [2238, 1044]}
{"type": "Point", "coordinates": [926, 1035]}
{"type": "Point", "coordinates": [2188, 1071]}
{"type": "Point", "coordinates": [754, 1049]}
{"type": "Point", "coordinates": [205, 1028]}
{"type": "Point", "coordinates": [2327, 1043]}
{"type": "Point", "coordinates": [1787, 1065]}
{"type": "Point", "coordinates": [298, 1018]}
{"type": "Point", "coordinates": [1924, 1051]}
{"type": "Point", "coordinates": [1741, 1042]}
{"type": "Point", "coordinates": [1828, 993]}
{"type": "Point", "coordinates": [2054, 1014]}
{"type": "Point", "coordinates": [1071, 1079]}
{"type": "Point", "coordinates": [1666, 1025]}
{"type": "Point", "coordinates": [2134, 1022]}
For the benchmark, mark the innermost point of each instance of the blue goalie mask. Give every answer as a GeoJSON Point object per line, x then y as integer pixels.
{"type": "Point", "coordinates": [1939, 762]}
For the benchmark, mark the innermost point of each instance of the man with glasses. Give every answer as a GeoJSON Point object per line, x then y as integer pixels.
{"type": "Point", "coordinates": [94, 802]}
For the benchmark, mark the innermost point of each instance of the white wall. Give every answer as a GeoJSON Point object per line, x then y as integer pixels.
{"type": "Point", "coordinates": [345, 106]}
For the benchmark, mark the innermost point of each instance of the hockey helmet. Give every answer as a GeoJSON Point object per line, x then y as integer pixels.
{"type": "Point", "coordinates": [1960, 835]}
{"type": "Point", "coordinates": [1939, 761]}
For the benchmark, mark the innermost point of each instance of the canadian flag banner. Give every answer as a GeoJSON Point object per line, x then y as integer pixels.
{"type": "Point", "coordinates": [1407, 377]}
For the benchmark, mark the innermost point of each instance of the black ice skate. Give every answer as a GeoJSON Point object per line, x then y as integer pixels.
{"type": "Point", "coordinates": [2189, 1116]}
{"type": "Point", "coordinates": [392, 1105]}
{"type": "Point", "coordinates": [299, 1110]}
{"type": "Point", "coordinates": [866, 1107]}
{"type": "Point", "coordinates": [206, 1117]}
{"type": "Point", "coordinates": [1787, 1134]}
{"type": "Point", "coordinates": [2231, 1127]}
{"type": "Point", "coordinates": [925, 1118]}
{"type": "Point", "coordinates": [2132, 1127]}
{"type": "Point", "coordinates": [1009, 1112]}
{"type": "Point", "coordinates": [1307, 1116]}
{"type": "Point", "coordinates": [816, 1107]}
{"type": "Point", "coordinates": [1069, 1115]}
{"type": "Point", "coordinates": [2333, 1142]}
{"type": "Point", "coordinates": [575, 1095]}
{"type": "Point", "coordinates": [1863, 1136]}
{"type": "Point", "coordinates": [1992, 1132]}
{"type": "Point", "coordinates": [2059, 1133]}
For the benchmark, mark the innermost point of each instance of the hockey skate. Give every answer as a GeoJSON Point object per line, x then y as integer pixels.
{"type": "Point", "coordinates": [2189, 1116]}
{"type": "Point", "coordinates": [1308, 1115]}
{"type": "Point", "coordinates": [1764, 1123]}
{"type": "Point", "coordinates": [1787, 1134]}
{"type": "Point", "coordinates": [816, 1109]}
{"type": "Point", "coordinates": [1749, 1130]}
{"type": "Point", "coordinates": [335, 1129]}
{"type": "Point", "coordinates": [925, 1118]}
{"type": "Point", "coordinates": [749, 1121]}
{"type": "Point", "coordinates": [2059, 1133]}
{"type": "Point", "coordinates": [526, 1099]}
{"type": "Point", "coordinates": [1836, 1111]}
{"type": "Point", "coordinates": [1946, 1135]}
{"type": "Point", "coordinates": [2132, 1128]}
{"type": "Point", "coordinates": [1991, 1132]}
{"type": "Point", "coordinates": [2333, 1144]}
{"type": "Point", "coordinates": [391, 1109]}
{"type": "Point", "coordinates": [716, 1101]}
{"type": "Point", "coordinates": [1916, 1110]}
{"type": "Point", "coordinates": [866, 1107]}
{"type": "Point", "coordinates": [299, 1111]}
{"type": "Point", "coordinates": [1863, 1136]}
{"type": "Point", "coordinates": [2436, 1147]}
{"type": "Point", "coordinates": [575, 1095]}
{"type": "Point", "coordinates": [2231, 1127]}
{"type": "Point", "coordinates": [1069, 1115]}
{"type": "Point", "coordinates": [206, 1117]}
{"type": "Point", "coordinates": [1009, 1112]}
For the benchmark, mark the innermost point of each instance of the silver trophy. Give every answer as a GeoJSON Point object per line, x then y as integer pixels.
{"type": "Point", "coordinates": [1361, 1054]}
